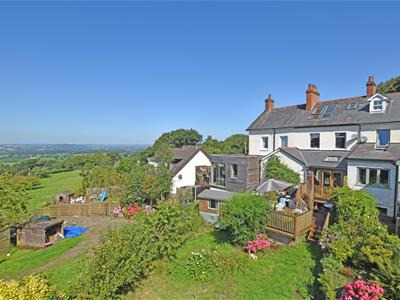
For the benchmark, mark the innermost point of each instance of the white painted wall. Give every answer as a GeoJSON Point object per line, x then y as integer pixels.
{"type": "Point", "coordinates": [300, 138]}
{"type": "Point", "coordinates": [287, 160]}
{"type": "Point", "coordinates": [369, 131]}
{"type": "Point", "coordinates": [384, 196]}
{"type": "Point", "coordinates": [256, 143]}
{"type": "Point", "coordinates": [188, 173]}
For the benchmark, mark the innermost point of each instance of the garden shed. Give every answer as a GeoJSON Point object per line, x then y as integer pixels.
{"type": "Point", "coordinates": [40, 233]}
{"type": "Point", "coordinates": [65, 197]}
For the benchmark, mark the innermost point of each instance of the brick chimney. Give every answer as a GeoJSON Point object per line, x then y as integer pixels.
{"type": "Point", "coordinates": [371, 87]}
{"type": "Point", "coordinates": [312, 97]}
{"type": "Point", "coordinates": [269, 103]}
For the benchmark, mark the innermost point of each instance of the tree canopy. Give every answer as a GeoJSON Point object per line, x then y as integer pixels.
{"type": "Point", "coordinates": [275, 169]}
{"type": "Point", "coordinates": [13, 201]}
{"type": "Point", "coordinates": [174, 139]}
{"type": "Point", "coordinates": [389, 86]}
{"type": "Point", "coordinates": [234, 144]}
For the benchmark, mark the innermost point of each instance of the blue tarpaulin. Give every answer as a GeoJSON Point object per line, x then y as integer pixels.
{"type": "Point", "coordinates": [73, 231]}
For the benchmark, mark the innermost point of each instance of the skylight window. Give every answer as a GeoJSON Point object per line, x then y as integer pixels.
{"type": "Point", "coordinates": [327, 111]}
{"type": "Point", "coordinates": [331, 159]}
{"type": "Point", "coordinates": [352, 105]}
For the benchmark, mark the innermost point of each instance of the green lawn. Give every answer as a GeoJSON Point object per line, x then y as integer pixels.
{"type": "Point", "coordinates": [64, 273]}
{"type": "Point", "coordinates": [284, 273]}
{"type": "Point", "coordinates": [51, 186]}
{"type": "Point", "coordinates": [22, 260]}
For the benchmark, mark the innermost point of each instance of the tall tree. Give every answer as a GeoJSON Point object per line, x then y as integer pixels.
{"type": "Point", "coordinates": [175, 139]}
{"type": "Point", "coordinates": [13, 201]}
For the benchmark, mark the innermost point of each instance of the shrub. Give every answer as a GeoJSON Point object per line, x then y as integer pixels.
{"type": "Point", "coordinates": [358, 240]}
{"type": "Point", "coordinates": [259, 244]}
{"type": "Point", "coordinates": [126, 254]}
{"type": "Point", "coordinates": [275, 169]}
{"type": "Point", "coordinates": [244, 216]}
{"type": "Point", "coordinates": [330, 280]}
{"type": "Point", "coordinates": [31, 287]}
{"type": "Point", "coordinates": [361, 290]}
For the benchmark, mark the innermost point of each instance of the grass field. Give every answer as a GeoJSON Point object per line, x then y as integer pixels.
{"type": "Point", "coordinates": [23, 260]}
{"type": "Point", "coordinates": [52, 185]}
{"type": "Point", "coordinates": [61, 275]}
{"type": "Point", "coordinates": [284, 273]}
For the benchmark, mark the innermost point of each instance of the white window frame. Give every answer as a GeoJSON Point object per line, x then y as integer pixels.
{"type": "Point", "coordinates": [377, 138]}
{"type": "Point", "coordinates": [319, 138]}
{"type": "Point", "coordinates": [345, 140]}
{"type": "Point", "coordinates": [377, 105]}
{"type": "Point", "coordinates": [263, 143]}
{"type": "Point", "coordinates": [216, 204]}
{"type": "Point", "coordinates": [287, 140]}
{"type": "Point", "coordinates": [378, 177]}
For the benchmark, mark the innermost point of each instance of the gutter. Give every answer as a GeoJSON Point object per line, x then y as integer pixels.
{"type": "Point", "coordinates": [273, 139]}
{"type": "Point", "coordinates": [396, 192]}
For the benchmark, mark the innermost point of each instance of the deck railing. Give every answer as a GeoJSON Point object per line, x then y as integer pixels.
{"type": "Point", "coordinates": [293, 225]}
{"type": "Point", "coordinates": [322, 192]}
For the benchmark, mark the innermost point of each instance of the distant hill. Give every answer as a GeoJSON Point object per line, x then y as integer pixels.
{"type": "Point", "coordinates": [41, 149]}
{"type": "Point", "coordinates": [390, 86]}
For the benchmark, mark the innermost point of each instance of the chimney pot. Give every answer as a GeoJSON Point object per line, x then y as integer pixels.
{"type": "Point", "coordinates": [371, 87]}
{"type": "Point", "coordinates": [312, 97]}
{"type": "Point", "coordinates": [269, 103]}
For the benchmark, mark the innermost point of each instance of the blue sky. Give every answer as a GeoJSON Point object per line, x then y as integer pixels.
{"type": "Point", "coordinates": [125, 72]}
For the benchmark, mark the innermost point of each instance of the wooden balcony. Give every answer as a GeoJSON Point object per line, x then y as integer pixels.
{"type": "Point", "coordinates": [322, 193]}
{"type": "Point", "coordinates": [293, 226]}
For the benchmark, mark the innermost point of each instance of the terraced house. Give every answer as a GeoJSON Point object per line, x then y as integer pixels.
{"type": "Point", "coordinates": [354, 141]}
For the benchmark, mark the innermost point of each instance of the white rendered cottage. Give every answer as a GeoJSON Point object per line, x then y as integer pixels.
{"type": "Point", "coordinates": [185, 160]}
{"type": "Point", "coordinates": [353, 140]}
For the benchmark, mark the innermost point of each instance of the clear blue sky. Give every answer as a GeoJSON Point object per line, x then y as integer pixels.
{"type": "Point", "coordinates": [73, 72]}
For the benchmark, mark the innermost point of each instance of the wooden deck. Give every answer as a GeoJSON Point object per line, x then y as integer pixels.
{"type": "Point", "coordinates": [293, 226]}
{"type": "Point", "coordinates": [322, 194]}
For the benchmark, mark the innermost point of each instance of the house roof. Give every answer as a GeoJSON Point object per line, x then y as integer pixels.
{"type": "Point", "coordinates": [331, 159]}
{"type": "Point", "coordinates": [297, 116]}
{"type": "Point", "coordinates": [368, 151]}
{"type": "Point", "coordinates": [218, 195]}
{"type": "Point", "coordinates": [183, 156]}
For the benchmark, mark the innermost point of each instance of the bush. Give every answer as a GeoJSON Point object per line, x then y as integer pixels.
{"type": "Point", "coordinates": [244, 216]}
{"type": "Point", "coordinates": [31, 287]}
{"type": "Point", "coordinates": [126, 254]}
{"type": "Point", "coordinates": [361, 290]}
{"type": "Point", "coordinates": [359, 241]}
{"type": "Point", "coordinates": [259, 244]}
{"type": "Point", "coordinates": [275, 169]}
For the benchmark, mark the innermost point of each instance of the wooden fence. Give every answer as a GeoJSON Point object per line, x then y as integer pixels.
{"type": "Point", "coordinates": [78, 209]}
{"type": "Point", "coordinates": [5, 244]}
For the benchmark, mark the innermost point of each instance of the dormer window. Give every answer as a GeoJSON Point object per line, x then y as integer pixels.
{"type": "Point", "coordinates": [378, 103]}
